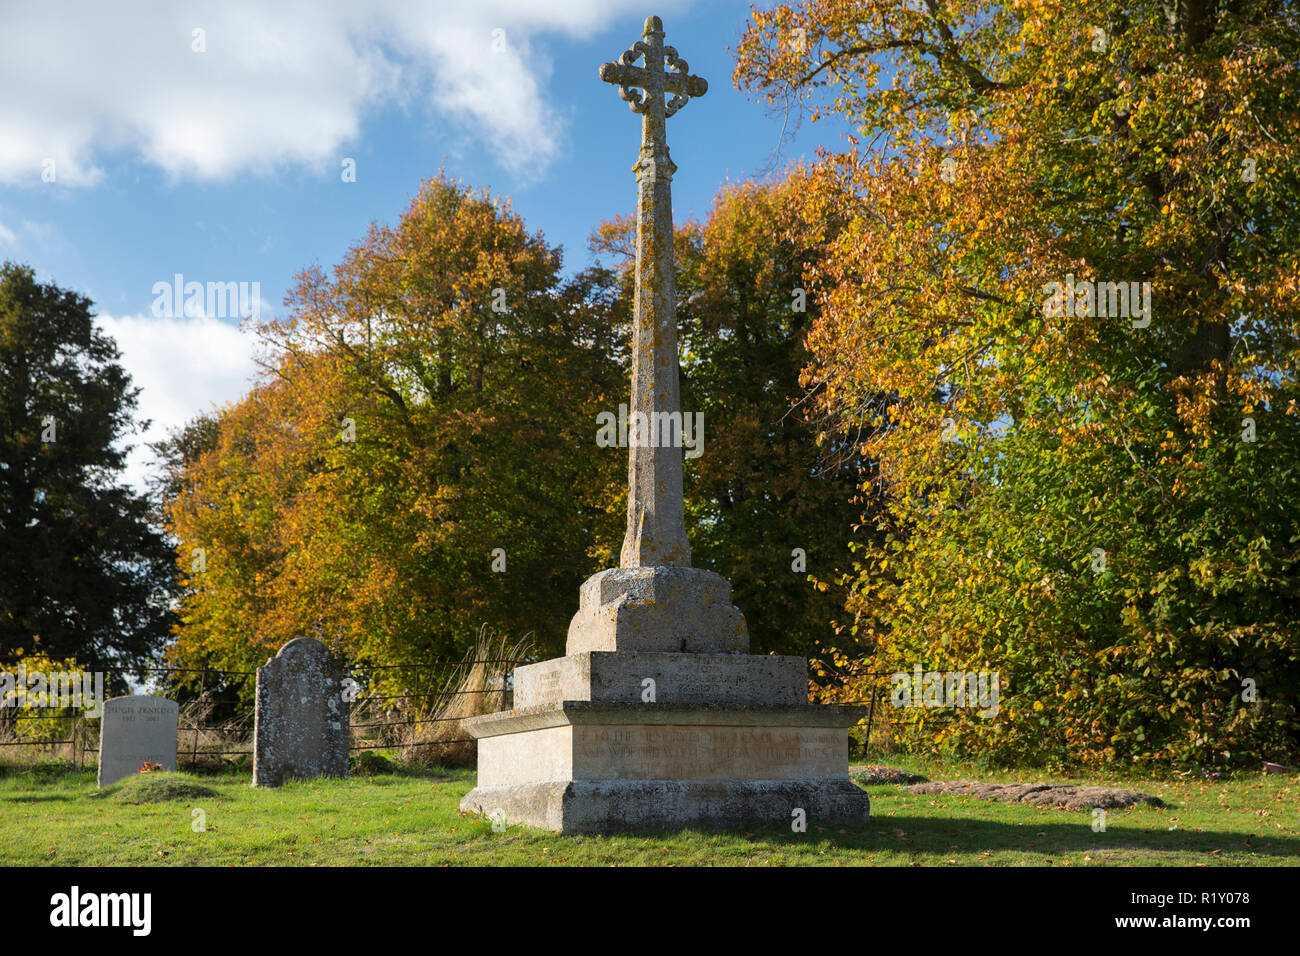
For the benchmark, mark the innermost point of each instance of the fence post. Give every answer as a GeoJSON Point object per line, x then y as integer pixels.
{"type": "Point", "coordinates": [871, 713]}
{"type": "Point", "coordinates": [203, 684]}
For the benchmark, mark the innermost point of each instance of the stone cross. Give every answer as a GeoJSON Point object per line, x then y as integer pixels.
{"type": "Point", "coordinates": [656, 525]}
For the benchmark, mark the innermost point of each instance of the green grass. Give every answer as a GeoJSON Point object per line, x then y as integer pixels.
{"type": "Point", "coordinates": [58, 817]}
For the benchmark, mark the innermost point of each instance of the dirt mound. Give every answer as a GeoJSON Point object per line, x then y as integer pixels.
{"type": "Point", "coordinates": [158, 788]}
{"type": "Point", "coordinates": [875, 774]}
{"type": "Point", "coordinates": [1042, 794]}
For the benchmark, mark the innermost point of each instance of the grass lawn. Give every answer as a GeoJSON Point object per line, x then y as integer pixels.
{"type": "Point", "coordinates": [56, 816]}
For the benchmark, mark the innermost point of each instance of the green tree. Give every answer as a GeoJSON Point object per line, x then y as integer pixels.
{"type": "Point", "coordinates": [83, 572]}
{"type": "Point", "coordinates": [1096, 499]}
{"type": "Point", "coordinates": [177, 452]}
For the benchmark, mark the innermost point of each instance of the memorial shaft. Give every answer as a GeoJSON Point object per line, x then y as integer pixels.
{"type": "Point", "coordinates": [656, 524]}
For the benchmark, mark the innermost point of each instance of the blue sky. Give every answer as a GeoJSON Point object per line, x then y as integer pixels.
{"type": "Point", "coordinates": [223, 163]}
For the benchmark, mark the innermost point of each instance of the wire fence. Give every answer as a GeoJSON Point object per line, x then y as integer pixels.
{"type": "Point", "coordinates": [196, 731]}
{"type": "Point", "coordinates": [199, 733]}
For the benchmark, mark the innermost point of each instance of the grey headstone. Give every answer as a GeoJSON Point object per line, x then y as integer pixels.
{"type": "Point", "coordinates": [133, 731]}
{"type": "Point", "coordinates": [301, 726]}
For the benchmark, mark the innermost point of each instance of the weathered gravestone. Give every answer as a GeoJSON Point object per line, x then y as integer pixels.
{"type": "Point", "coordinates": [658, 715]}
{"type": "Point", "coordinates": [300, 729]}
{"type": "Point", "coordinates": [134, 731]}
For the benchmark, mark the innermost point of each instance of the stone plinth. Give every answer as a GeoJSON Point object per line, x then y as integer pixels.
{"type": "Point", "coordinates": [657, 609]}
{"type": "Point", "coordinates": [601, 766]}
{"type": "Point", "coordinates": [621, 677]}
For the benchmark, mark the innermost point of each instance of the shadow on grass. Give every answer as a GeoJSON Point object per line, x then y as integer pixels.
{"type": "Point", "coordinates": [928, 837]}
{"type": "Point", "coordinates": [39, 798]}
{"type": "Point", "coordinates": [45, 771]}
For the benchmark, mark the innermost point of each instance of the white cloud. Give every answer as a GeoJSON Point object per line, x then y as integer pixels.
{"type": "Point", "coordinates": [183, 367]}
{"type": "Point", "coordinates": [7, 238]}
{"type": "Point", "coordinates": [279, 83]}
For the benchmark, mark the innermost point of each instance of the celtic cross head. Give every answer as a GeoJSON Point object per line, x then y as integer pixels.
{"type": "Point", "coordinates": [662, 72]}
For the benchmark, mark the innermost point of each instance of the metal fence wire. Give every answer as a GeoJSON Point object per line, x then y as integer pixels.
{"type": "Point", "coordinates": [83, 727]}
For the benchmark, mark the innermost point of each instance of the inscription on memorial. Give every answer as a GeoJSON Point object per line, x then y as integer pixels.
{"type": "Point", "coordinates": [689, 752]}
{"type": "Point", "coordinates": [135, 731]}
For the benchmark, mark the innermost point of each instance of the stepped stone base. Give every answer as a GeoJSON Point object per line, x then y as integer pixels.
{"type": "Point", "coordinates": [641, 677]}
{"type": "Point", "coordinates": [685, 610]}
{"type": "Point", "coordinates": [609, 806]}
{"type": "Point", "coordinates": [598, 766]}
{"type": "Point", "coordinates": [658, 718]}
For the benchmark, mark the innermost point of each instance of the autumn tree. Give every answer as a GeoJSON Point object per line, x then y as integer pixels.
{"type": "Point", "coordinates": [1062, 311]}
{"type": "Point", "coordinates": [413, 465]}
